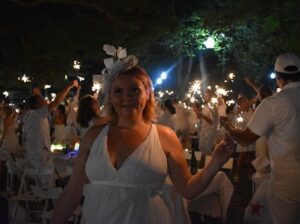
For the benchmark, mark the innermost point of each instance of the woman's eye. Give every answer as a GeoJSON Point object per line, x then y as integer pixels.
{"type": "Point", "coordinates": [117, 91]}
{"type": "Point", "coordinates": [136, 90]}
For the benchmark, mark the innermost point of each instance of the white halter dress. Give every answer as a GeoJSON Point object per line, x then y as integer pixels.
{"type": "Point", "coordinates": [131, 194]}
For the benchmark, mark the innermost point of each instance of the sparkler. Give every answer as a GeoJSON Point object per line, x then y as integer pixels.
{"type": "Point", "coordinates": [24, 78]}
{"type": "Point", "coordinates": [5, 93]}
{"type": "Point", "coordinates": [97, 87]}
{"type": "Point", "coordinates": [80, 78]}
{"type": "Point", "coordinates": [239, 119]}
{"type": "Point", "coordinates": [76, 65]}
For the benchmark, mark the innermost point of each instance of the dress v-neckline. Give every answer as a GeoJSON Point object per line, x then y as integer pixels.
{"type": "Point", "coordinates": [130, 155]}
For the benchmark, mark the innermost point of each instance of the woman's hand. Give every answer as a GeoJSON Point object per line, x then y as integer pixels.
{"type": "Point", "coordinates": [223, 151]}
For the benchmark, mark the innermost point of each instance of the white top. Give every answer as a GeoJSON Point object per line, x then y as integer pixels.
{"type": "Point", "coordinates": [168, 119]}
{"type": "Point", "coordinates": [278, 117]}
{"type": "Point", "coordinates": [246, 117]}
{"type": "Point", "coordinates": [207, 130]}
{"type": "Point", "coordinates": [36, 131]}
{"type": "Point", "coordinates": [60, 133]}
{"type": "Point", "coordinates": [131, 194]}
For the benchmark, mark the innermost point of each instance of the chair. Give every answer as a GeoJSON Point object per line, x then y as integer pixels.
{"type": "Point", "coordinates": [51, 194]}
{"type": "Point", "coordinates": [12, 170]}
{"type": "Point", "coordinates": [44, 178]}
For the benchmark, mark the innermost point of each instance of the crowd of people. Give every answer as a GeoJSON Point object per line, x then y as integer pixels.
{"type": "Point", "coordinates": [129, 148]}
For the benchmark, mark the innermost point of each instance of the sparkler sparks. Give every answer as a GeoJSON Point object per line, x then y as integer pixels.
{"type": "Point", "coordinates": [24, 78]}
{"type": "Point", "coordinates": [76, 65]}
{"type": "Point", "coordinates": [231, 76]}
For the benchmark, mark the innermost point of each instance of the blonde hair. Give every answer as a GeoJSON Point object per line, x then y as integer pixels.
{"type": "Point", "coordinates": [149, 111]}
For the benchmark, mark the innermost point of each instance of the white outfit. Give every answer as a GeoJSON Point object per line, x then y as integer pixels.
{"type": "Point", "coordinates": [83, 130]}
{"type": "Point", "coordinates": [208, 131]}
{"type": "Point", "coordinates": [131, 194]}
{"type": "Point", "coordinates": [60, 133]}
{"type": "Point", "coordinates": [168, 119]}
{"type": "Point", "coordinates": [36, 137]}
{"type": "Point", "coordinates": [246, 116]}
{"type": "Point", "coordinates": [278, 117]}
{"type": "Point", "coordinates": [11, 141]}
{"type": "Point", "coordinates": [182, 124]}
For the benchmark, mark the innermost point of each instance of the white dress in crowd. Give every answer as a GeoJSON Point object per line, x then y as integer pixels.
{"type": "Point", "coordinates": [168, 120]}
{"type": "Point", "coordinates": [246, 116]}
{"type": "Point", "coordinates": [11, 141]}
{"type": "Point", "coordinates": [208, 131]}
{"type": "Point", "coordinates": [60, 133]}
{"type": "Point", "coordinates": [182, 124]}
{"type": "Point", "coordinates": [36, 137]}
{"type": "Point", "coordinates": [131, 194]}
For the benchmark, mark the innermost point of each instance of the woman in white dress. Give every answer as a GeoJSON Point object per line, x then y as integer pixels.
{"type": "Point", "coordinates": [88, 114]}
{"type": "Point", "coordinates": [122, 166]}
{"type": "Point", "coordinates": [168, 117]}
{"type": "Point", "coordinates": [60, 122]}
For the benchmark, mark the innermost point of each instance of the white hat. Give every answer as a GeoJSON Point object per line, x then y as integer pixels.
{"type": "Point", "coordinates": [283, 61]}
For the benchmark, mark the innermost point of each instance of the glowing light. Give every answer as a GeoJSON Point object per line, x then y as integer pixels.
{"type": "Point", "coordinates": [56, 147]}
{"type": "Point", "coordinates": [163, 75]}
{"type": "Point", "coordinates": [278, 90]}
{"type": "Point", "coordinates": [53, 95]}
{"type": "Point", "coordinates": [18, 110]}
{"type": "Point", "coordinates": [24, 78]}
{"type": "Point", "coordinates": [272, 75]}
{"type": "Point", "coordinates": [240, 119]}
{"type": "Point", "coordinates": [196, 86]}
{"type": "Point", "coordinates": [230, 102]}
{"type": "Point", "coordinates": [161, 94]}
{"type": "Point", "coordinates": [209, 43]}
{"type": "Point", "coordinates": [214, 100]}
{"type": "Point", "coordinates": [221, 92]}
{"type": "Point", "coordinates": [76, 146]}
{"type": "Point", "coordinates": [76, 65]}
{"type": "Point", "coordinates": [158, 81]}
{"type": "Point", "coordinates": [80, 78]}
{"type": "Point", "coordinates": [96, 87]}
{"type": "Point", "coordinates": [208, 87]}
{"type": "Point", "coordinates": [47, 86]}
{"type": "Point", "coordinates": [5, 93]}
{"type": "Point", "coordinates": [66, 77]}
{"type": "Point", "coordinates": [231, 76]}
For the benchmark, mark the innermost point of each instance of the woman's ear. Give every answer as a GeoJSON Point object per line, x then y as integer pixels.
{"type": "Point", "coordinates": [148, 92]}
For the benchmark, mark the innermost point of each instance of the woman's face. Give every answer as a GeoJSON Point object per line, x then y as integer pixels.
{"type": "Point", "coordinates": [128, 96]}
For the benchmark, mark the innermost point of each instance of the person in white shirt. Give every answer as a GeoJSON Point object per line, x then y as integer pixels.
{"type": "Point", "coordinates": [278, 117]}
{"type": "Point", "coordinates": [36, 130]}
{"type": "Point", "coordinates": [209, 123]}
{"type": "Point", "coordinates": [168, 118]}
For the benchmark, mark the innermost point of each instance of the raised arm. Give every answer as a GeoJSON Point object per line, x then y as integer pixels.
{"type": "Point", "coordinates": [189, 186]}
{"type": "Point", "coordinates": [72, 193]}
{"type": "Point", "coordinates": [243, 137]}
{"type": "Point", "coordinates": [252, 85]}
{"type": "Point", "coordinates": [62, 95]}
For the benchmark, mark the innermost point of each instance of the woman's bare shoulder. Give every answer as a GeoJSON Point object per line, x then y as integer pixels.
{"type": "Point", "coordinates": [164, 131]}
{"type": "Point", "coordinates": [90, 136]}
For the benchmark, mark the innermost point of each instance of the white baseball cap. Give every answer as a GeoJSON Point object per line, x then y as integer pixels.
{"type": "Point", "coordinates": [287, 64]}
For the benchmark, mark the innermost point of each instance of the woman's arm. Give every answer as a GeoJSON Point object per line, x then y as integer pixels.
{"type": "Point", "coordinates": [72, 193]}
{"type": "Point", "coordinates": [189, 186]}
